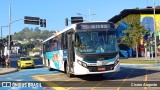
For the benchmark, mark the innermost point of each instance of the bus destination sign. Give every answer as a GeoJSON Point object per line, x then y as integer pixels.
{"type": "Point", "coordinates": [87, 26]}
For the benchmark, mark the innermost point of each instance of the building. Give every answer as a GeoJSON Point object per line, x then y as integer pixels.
{"type": "Point", "coordinates": [145, 15]}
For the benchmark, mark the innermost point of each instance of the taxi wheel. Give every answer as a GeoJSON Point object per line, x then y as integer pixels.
{"type": "Point", "coordinates": [33, 67]}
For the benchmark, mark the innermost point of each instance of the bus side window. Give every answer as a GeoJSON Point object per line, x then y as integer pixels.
{"type": "Point", "coordinates": [55, 45]}
{"type": "Point", "coordinates": [64, 40]}
{"type": "Point", "coordinates": [59, 42]}
{"type": "Point", "coordinates": [47, 46]}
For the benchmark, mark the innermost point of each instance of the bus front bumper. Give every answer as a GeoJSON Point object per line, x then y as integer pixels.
{"type": "Point", "coordinates": [80, 70]}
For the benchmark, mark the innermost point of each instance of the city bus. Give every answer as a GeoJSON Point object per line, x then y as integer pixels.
{"type": "Point", "coordinates": [83, 48]}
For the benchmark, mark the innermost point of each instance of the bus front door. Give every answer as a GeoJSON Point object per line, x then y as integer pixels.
{"type": "Point", "coordinates": [70, 60]}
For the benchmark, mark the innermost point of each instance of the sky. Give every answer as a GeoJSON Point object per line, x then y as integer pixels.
{"type": "Point", "coordinates": [55, 11]}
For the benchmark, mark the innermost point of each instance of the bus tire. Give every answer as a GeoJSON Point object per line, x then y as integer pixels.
{"type": "Point", "coordinates": [67, 71]}
{"type": "Point", "coordinates": [49, 67]}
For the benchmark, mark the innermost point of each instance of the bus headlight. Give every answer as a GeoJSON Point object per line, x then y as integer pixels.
{"type": "Point", "coordinates": [82, 63]}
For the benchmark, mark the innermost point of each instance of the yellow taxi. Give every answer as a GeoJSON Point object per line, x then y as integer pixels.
{"type": "Point", "coordinates": [25, 62]}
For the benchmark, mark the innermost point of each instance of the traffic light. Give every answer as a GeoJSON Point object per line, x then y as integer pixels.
{"type": "Point", "coordinates": [41, 22]}
{"type": "Point", "coordinates": [11, 43]}
{"type": "Point", "coordinates": [66, 21]}
{"type": "Point", "coordinates": [10, 38]}
{"type": "Point", "coordinates": [44, 23]}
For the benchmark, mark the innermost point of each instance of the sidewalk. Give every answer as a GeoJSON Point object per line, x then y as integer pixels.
{"type": "Point", "coordinates": [155, 59]}
{"type": "Point", "coordinates": [142, 58]}
{"type": "Point", "coordinates": [7, 70]}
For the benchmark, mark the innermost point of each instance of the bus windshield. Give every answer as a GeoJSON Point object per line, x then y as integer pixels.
{"type": "Point", "coordinates": [96, 42]}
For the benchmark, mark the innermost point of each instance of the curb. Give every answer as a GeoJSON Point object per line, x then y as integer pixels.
{"type": "Point", "coordinates": [141, 66]}
{"type": "Point", "coordinates": [9, 72]}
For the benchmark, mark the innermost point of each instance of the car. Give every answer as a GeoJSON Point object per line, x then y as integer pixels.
{"type": "Point", "coordinates": [25, 62]}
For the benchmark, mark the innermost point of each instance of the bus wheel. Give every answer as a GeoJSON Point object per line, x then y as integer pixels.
{"type": "Point", "coordinates": [49, 67]}
{"type": "Point", "coordinates": [67, 71]}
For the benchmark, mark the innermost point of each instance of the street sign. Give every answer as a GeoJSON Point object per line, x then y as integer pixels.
{"type": "Point", "coordinates": [31, 20]}
{"type": "Point", "coordinates": [76, 19]}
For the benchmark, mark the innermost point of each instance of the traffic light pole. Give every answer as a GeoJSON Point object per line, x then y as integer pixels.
{"type": "Point", "coordinates": [9, 27]}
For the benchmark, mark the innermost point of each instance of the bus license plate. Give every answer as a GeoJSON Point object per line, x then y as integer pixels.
{"type": "Point", "coordinates": [101, 68]}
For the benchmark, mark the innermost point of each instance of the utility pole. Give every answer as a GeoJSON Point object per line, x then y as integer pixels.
{"type": "Point", "coordinates": [155, 31]}
{"type": "Point", "coordinates": [9, 27]}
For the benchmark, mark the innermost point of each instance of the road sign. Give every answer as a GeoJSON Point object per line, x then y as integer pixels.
{"type": "Point", "coordinates": [76, 19]}
{"type": "Point", "coordinates": [31, 20]}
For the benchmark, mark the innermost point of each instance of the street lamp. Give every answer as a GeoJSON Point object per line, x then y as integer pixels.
{"type": "Point", "coordinates": [89, 15]}
{"type": "Point", "coordinates": [9, 28]}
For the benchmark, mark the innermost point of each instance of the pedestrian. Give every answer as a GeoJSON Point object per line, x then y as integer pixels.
{"type": "Point", "coordinates": [7, 62]}
{"type": "Point", "coordinates": [0, 61]}
{"type": "Point", "coordinates": [3, 61]}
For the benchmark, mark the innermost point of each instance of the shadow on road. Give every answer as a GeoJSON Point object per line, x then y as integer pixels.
{"type": "Point", "coordinates": [122, 74]}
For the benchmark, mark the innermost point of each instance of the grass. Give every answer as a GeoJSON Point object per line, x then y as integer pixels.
{"type": "Point", "coordinates": [138, 61]}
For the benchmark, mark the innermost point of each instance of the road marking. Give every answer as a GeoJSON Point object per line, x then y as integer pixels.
{"type": "Point", "coordinates": [47, 74]}
{"type": "Point", "coordinates": [103, 81]}
{"type": "Point", "coordinates": [76, 85]}
{"type": "Point", "coordinates": [49, 84]}
{"type": "Point", "coordinates": [124, 80]}
{"type": "Point", "coordinates": [146, 78]}
{"type": "Point", "coordinates": [96, 85]}
{"type": "Point", "coordinates": [65, 80]}
{"type": "Point", "coordinates": [60, 76]}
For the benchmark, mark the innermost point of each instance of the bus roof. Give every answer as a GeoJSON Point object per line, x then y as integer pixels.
{"type": "Point", "coordinates": [72, 26]}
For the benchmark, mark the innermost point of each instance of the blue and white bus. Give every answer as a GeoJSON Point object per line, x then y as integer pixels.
{"type": "Point", "coordinates": [83, 48]}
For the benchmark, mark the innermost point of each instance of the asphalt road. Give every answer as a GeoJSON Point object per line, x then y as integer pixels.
{"type": "Point", "coordinates": [126, 78]}
{"type": "Point", "coordinates": [130, 77]}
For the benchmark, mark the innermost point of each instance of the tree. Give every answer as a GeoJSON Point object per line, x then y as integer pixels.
{"type": "Point", "coordinates": [133, 34]}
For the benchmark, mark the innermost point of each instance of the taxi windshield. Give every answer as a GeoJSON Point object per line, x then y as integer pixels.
{"type": "Point", "coordinates": [24, 59]}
